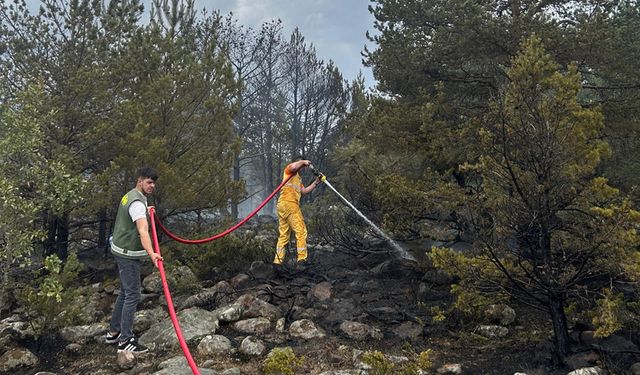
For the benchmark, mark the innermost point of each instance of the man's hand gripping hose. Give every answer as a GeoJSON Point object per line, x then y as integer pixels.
{"type": "Point", "coordinates": [319, 176]}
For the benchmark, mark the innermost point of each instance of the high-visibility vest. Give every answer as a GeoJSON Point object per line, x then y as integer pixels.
{"type": "Point", "coordinates": [126, 239]}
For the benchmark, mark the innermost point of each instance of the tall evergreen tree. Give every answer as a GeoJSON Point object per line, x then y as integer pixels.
{"type": "Point", "coordinates": [549, 229]}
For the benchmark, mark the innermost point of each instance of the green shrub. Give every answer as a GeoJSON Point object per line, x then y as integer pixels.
{"type": "Point", "coordinates": [231, 253]}
{"type": "Point", "coordinates": [282, 361]}
{"type": "Point", "coordinates": [381, 365]}
{"type": "Point", "coordinates": [51, 299]}
{"type": "Point", "coordinates": [424, 360]}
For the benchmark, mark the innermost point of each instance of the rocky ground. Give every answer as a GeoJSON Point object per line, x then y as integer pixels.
{"type": "Point", "coordinates": [331, 313]}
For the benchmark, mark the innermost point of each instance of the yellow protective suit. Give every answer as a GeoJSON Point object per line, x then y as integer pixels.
{"type": "Point", "coordinates": [290, 218]}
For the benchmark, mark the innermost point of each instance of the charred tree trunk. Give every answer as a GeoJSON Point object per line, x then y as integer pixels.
{"type": "Point", "coordinates": [103, 235]}
{"type": "Point", "coordinates": [560, 328]}
{"type": "Point", "coordinates": [236, 177]}
{"type": "Point", "coordinates": [50, 243]}
{"type": "Point", "coordinates": [57, 241]}
{"type": "Point", "coordinates": [62, 237]}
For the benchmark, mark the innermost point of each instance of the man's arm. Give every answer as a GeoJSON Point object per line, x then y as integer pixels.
{"type": "Point", "coordinates": [143, 230]}
{"type": "Point", "coordinates": [294, 167]}
{"type": "Point", "coordinates": [309, 189]}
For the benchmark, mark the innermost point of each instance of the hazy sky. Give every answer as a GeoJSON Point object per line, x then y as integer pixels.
{"type": "Point", "coordinates": [335, 27]}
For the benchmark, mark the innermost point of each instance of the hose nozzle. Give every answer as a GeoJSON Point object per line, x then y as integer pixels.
{"type": "Point", "coordinates": [313, 170]}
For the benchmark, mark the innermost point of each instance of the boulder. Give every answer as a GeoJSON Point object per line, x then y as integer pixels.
{"type": "Point", "coordinates": [305, 329]}
{"type": "Point", "coordinates": [194, 322]}
{"type": "Point", "coordinates": [82, 334]}
{"type": "Point", "coordinates": [252, 346]}
{"type": "Point", "coordinates": [408, 330]}
{"type": "Point", "coordinates": [152, 283]}
{"type": "Point", "coordinates": [179, 366]}
{"type": "Point", "coordinates": [450, 368]}
{"type": "Point", "coordinates": [359, 331]}
{"type": "Point", "coordinates": [253, 326]}
{"type": "Point", "coordinates": [321, 291]}
{"type": "Point", "coordinates": [260, 270]}
{"type": "Point", "coordinates": [500, 314]}
{"type": "Point", "coordinates": [16, 358]}
{"type": "Point", "coordinates": [587, 371]}
{"type": "Point", "coordinates": [492, 331]}
{"type": "Point", "coordinates": [214, 345]}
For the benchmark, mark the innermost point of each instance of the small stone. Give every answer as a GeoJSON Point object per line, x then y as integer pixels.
{"type": "Point", "coordinates": [126, 360]}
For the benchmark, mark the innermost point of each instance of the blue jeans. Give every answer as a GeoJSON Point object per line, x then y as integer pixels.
{"type": "Point", "coordinates": [127, 302]}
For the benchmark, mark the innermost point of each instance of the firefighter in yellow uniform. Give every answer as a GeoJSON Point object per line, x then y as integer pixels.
{"type": "Point", "coordinates": [289, 213]}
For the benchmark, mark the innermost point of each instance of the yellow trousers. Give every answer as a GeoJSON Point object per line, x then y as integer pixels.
{"type": "Point", "coordinates": [290, 218]}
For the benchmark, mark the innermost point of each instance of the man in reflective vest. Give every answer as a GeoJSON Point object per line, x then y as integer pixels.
{"type": "Point", "coordinates": [131, 242]}
{"type": "Point", "coordinates": [289, 213]}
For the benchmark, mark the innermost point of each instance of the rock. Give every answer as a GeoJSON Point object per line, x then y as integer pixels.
{"type": "Point", "coordinates": [450, 368]}
{"type": "Point", "coordinates": [109, 289]}
{"type": "Point", "coordinates": [587, 371]}
{"type": "Point", "coordinates": [232, 371]}
{"type": "Point", "coordinates": [16, 358]}
{"type": "Point", "coordinates": [321, 291]}
{"type": "Point", "coordinates": [194, 322]}
{"type": "Point", "coordinates": [253, 307]}
{"type": "Point", "coordinates": [82, 334]}
{"type": "Point", "coordinates": [253, 326]}
{"type": "Point", "coordinates": [144, 319]}
{"type": "Point", "coordinates": [581, 360]}
{"type": "Point", "coordinates": [615, 344]}
{"type": "Point", "coordinates": [214, 345]}
{"type": "Point", "coordinates": [221, 293]}
{"type": "Point", "coordinates": [73, 348]}
{"type": "Point", "coordinates": [408, 330]}
{"type": "Point", "coordinates": [263, 292]}
{"type": "Point", "coordinates": [360, 331]}
{"type": "Point", "coordinates": [240, 281]}
{"type": "Point", "coordinates": [635, 369]}
{"type": "Point", "coordinates": [179, 366]}
{"type": "Point", "coordinates": [385, 313]}
{"type": "Point", "coordinates": [500, 314]}
{"type": "Point", "coordinates": [183, 277]}
{"type": "Point", "coordinates": [152, 283]}
{"type": "Point", "coordinates": [587, 337]}
{"type": "Point", "coordinates": [280, 325]}
{"type": "Point", "coordinates": [311, 314]}
{"type": "Point", "coordinates": [261, 271]}
{"type": "Point", "coordinates": [252, 346]}
{"type": "Point", "coordinates": [492, 332]}
{"type": "Point", "coordinates": [396, 359]}
{"type": "Point", "coordinates": [305, 329]}
{"type": "Point", "coordinates": [126, 360]}
{"type": "Point", "coordinates": [395, 268]}
{"type": "Point", "coordinates": [344, 309]}
{"type": "Point", "coordinates": [15, 328]}
{"type": "Point", "coordinates": [229, 314]}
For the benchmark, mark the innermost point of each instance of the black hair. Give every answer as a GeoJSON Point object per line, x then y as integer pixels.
{"type": "Point", "coordinates": [147, 172]}
{"type": "Point", "coordinates": [297, 157]}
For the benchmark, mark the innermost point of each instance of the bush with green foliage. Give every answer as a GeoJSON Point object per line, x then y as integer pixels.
{"type": "Point", "coordinates": [51, 300]}
{"type": "Point", "coordinates": [231, 253]}
{"type": "Point", "coordinates": [282, 361]}
{"type": "Point", "coordinates": [381, 365]}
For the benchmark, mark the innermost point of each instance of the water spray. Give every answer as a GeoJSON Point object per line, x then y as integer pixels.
{"type": "Point", "coordinates": [403, 253]}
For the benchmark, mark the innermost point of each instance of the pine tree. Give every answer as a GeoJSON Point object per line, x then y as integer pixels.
{"type": "Point", "coordinates": [549, 230]}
